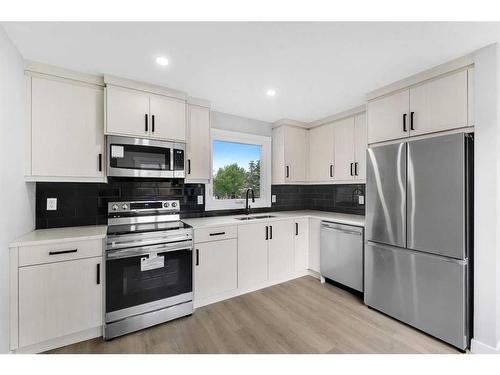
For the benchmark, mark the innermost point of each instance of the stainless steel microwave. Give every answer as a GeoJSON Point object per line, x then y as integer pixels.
{"type": "Point", "coordinates": [137, 157]}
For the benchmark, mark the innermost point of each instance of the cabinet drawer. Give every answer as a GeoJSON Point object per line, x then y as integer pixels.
{"type": "Point", "coordinates": [215, 233]}
{"type": "Point", "coordinates": [29, 255]}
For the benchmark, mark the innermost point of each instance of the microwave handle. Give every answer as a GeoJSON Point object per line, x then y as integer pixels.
{"type": "Point", "coordinates": [171, 158]}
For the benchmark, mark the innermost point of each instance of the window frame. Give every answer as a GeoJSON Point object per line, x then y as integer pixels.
{"type": "Point", "coordinates": [264, 200]}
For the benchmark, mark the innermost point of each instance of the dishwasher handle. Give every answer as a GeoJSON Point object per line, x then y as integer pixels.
{"type": "Point", "coordinates": [330, 227]}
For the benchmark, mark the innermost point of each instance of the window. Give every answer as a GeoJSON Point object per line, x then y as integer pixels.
{"type": "Point", "coordinates": [239, 162]}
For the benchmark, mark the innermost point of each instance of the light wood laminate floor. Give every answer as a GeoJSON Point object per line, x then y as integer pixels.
{"type": "Point", "coordinates": [299, 316]}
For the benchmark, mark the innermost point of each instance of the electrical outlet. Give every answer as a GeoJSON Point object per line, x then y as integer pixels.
{"type": "Point", "coordinates": [361, 199]}
{"type": "Point", "coordinates": [51, 204]}
{"type": "Point", "coordinates": [273, 198]}
{"type": "Point", "coordinates": [200, 199]}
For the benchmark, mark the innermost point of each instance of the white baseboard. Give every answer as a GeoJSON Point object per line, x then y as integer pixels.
{"type": "Point", "coordinates": [60, 341]}
{"type": "Point", "coordinates": [477, 347]}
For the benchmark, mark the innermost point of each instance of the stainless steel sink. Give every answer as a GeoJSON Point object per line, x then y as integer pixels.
{"type": "Point", "coordinates": [254, 217]}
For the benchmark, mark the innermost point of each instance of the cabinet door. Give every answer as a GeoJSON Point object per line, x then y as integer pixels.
{"type": "Point", "coordinates": [295, 154]}
{"type": "Point", "coordinates": [216, 268]}
{"type": "Point", "coordinates": [343, 168]}
{"type": "Point", "coordinates": [385, 117]}
{"type": "Point", "coordinates": [314, 239]}
{"type": "Point", "coordinates": [321, 153]}
{"type": "Point", "coordinates": [360, 146]}
{"type": "Point", "coordinates": [301, 245]}
{"type": "Point", "coordinates": [67, 129]}
{"type": "Point", "coordinates": [278, 153]}
{"type": "Point", "coordinates": [169, 118]}
{"type": "Point", "coordinates": [58, 299]}
{"type": "Point", "coordinates": [252, 255]}
{"type": "Point", "coordinates": [127, 112]}
{"type": "Point", "coordinates": [440, 104]}
{"type": "Point", "coordinates": [281, 254]}
{"type": "Point", "coordinates": [198, 144]}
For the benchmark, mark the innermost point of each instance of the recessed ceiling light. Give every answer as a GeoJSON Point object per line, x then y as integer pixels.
{"type": "Point", "coordinates": [161, 60]}
{"type": "Point", "coordinates": [271, 92]}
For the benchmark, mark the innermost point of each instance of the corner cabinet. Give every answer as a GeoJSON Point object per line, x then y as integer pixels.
{"type": "Point", "coordinates": [65, 130]}
{"type": "Point", "coordinates": [337, 151]}
{"type": "Point", "coordinates": [439, 104]}
{"type": "Point", "coordinates": [198, 144]}
{"type": "Point", "coordinates": [289, 149]}
{"type": "Point", "coordinates": [137, 113]}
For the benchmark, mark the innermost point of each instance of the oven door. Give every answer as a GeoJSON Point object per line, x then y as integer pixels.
{"type": "Point", "coordinates": [147, 278]}
{"type": "Point", "coordinates": [137, 157]}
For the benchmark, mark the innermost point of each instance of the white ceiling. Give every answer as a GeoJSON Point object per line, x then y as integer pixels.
{"type": "Point", "coordinates": [317, 69]}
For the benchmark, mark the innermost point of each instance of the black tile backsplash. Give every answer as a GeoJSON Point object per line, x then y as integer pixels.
{"type": "Point", "coordinates": [86, 203]}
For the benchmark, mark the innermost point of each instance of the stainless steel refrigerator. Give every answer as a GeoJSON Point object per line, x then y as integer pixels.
{"type": "Point", "coordinates": [419, 234]}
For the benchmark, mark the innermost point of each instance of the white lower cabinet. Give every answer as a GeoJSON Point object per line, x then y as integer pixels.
{"type": "Point", "coordinates": [252, 255]}
{"type": "Point", "coordinates": [281, 250]}
{"type": "Point", "coordinates": [59, 299]}
{"type": "Point", "coordinates": [314, 242]}
{"type": "Point", "coordinates": [216, 268]}
{"type": "Point", "coordinates": [300, 245]}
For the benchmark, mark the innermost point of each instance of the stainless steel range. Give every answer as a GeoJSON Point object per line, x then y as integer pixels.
{"type": "Point", "coordinates": [149, 273]}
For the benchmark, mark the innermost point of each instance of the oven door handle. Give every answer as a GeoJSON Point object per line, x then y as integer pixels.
{"type": "Point", "coordinates": [147, 250]}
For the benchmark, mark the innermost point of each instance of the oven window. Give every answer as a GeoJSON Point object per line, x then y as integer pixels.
{"type": "Point", "coordinates": [127, 285]}
{"type": "Point", "coordinates": [140, 157]}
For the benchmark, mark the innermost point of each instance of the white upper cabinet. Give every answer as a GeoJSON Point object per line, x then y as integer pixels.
{"type": "Point", "coordinates": [439, 105]}
{"type": "Point", "coordinates": [66, 136]}
{"type": "Point", "coordinates": [343, 168]}
{"type": "Point", "coordinates": [360, 145]}
{"type": "Point", "coordinates": [388, 117]}
{"type": "Point", "coordinates": [198, 144]}
{"type": "Point", "coordinates": [435, 105]}
{"type": "Point", "coordinates": [321, 153]}
{"type": "Point", "coordinates": [137, 113]}
{"type": "Point", "coordinates": [289, 154]}
{"type": "Point", "coordinates": [127, 112]}
{"type": "Point", "coordinates": [168, 118]}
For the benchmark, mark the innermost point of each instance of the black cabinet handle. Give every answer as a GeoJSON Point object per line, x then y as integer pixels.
{"type": "Point", "coordinates": [100, 162]}
{"type": "Point", "coordinates": [404, 122]}
{"type": "Point", "coordinates": [63, 252]}
{"type": "Point", "coordinates": [197, 257]}
{"type": "Point", "coordinates": [356, 168]}
{"type": "Point", "coordinates": [98, 273]}
{"type": "Point", "coordinates": [331, 170]}
{"type": "Point", "coordinates": [296, 229]}
{"type": "Point", "coordinates": [287, 171]}
{"type": "Point", "coordinates": [146, 121]}
{"type": "Point", "coordinates": [189, 166]}
{"type": "Point", "coordinates": [267, 232]}
{"type": "Point", "coordinates": [270, 232]}
{"type": "Point", "coordinates": [351, 169]}
{"type": "Point", "coordinates": [153, 123]}
{"type": "Point", "coordinates": [411, 120]}
{"type": "Point", "coordinates": [217, 234]}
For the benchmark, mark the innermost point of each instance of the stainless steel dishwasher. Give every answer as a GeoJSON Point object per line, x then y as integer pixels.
{"type": "Point", "coordinates": [341, 254]}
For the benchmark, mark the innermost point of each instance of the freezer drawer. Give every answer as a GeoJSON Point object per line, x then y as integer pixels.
{"type": "Point", "coordinates": [341, 254]}
{"type": "Point", "coordinates": [426, 291]}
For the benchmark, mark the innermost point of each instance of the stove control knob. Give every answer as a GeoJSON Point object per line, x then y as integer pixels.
{"type": "Point", "coordinates": [124, 206]}
{"type": "Point", "coordinates": [174, 204]}
{"type": "Point", "coordinates": [114, 207]}
{"type": "Point", "coordinates": [166, 204]}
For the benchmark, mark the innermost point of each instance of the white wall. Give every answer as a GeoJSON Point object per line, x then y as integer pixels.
{"type": "Point", "coordinates": [486, 336]}
{"type": "Point", "coordinates": [235, 123]}
{"type": "Point", "coordinates": [17, 199]}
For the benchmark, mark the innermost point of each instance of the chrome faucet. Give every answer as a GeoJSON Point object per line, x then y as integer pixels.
{"type": "Point", "coordinates": [247, 206]}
